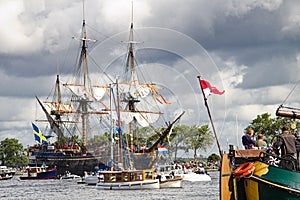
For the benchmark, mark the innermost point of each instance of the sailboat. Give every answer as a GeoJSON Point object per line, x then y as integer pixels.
{"type": "Point", "coordinates": [69, 120]}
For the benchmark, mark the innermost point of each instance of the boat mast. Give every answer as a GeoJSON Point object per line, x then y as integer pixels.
{"type": "Point", "coordinates": [57, 114]}
{"type": "Point", "coordinates": [131, 100]}
{"type": "Point", "coordinates": [119, 129]}
{"type": "Point", "coordinates": [84, 100]}
{"type": "Point", "coordinates": [111, 129]}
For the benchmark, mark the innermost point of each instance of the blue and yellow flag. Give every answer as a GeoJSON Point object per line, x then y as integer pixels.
{"type": "Point", "coordinates": [38, 135]}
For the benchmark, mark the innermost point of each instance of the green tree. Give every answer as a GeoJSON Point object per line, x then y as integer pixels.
{"type": "Point", "coordinates": [214, 158]}
{"type": "Point", "coordinates": [99, 141]}
{"type": "Point", "coordinates": [198, 138]}
{"type": "Point", "coordinates": [12, 153]}
{"type": "Point", "coordinates": [145, 136]}
{"type": "Point", "coordinates": [177, 138]}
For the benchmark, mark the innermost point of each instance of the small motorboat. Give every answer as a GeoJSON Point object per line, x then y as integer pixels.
{"type": "Point", "coordinates": [69, 176]}
{"type": "Point", "coordinates": [36, 173]}
{"type": "Point", "coordinates": [128, 180]}
{"type": "Point", "coordinates": [193, 177]}
{"type": "Point", "coordinates": [169, 181]}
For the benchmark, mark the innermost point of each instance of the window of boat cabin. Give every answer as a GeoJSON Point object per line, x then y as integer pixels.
{"type": "Point", "coordinates": [125, 176]}
{"type": "Point", "coordinates": [148, 175]}
{"type": "Point", "coordinates": [138, 176]}
{"type": "Point", "coordinates": [119, 177]}
{"type": "Point", "coordinates": [109, 177]}
{"type": "Point", "coordinates": [131, 176]}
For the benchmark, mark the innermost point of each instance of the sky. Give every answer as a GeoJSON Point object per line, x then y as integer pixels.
{"type": "Point", "coordinates": [249, 48]}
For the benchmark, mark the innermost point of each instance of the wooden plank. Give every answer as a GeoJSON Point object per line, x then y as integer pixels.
{"type": "Point", "coordinates": [225, 193]}
{"type": "Point", "coordinates": [251, 153]}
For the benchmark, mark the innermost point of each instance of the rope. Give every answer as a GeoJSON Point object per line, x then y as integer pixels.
{"type": "Point", "coordinates": [291, 92]}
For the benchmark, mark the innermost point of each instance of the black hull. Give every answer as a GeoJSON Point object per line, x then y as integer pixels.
{"type": "Point", "coordinates": [74, 165]}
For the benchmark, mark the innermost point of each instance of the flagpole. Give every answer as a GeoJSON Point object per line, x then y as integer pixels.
{"type": "Point", "coordinates": [211, 121]}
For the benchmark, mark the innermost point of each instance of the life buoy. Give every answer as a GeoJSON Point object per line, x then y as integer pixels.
{"type": "Point", "coordinates": [244, 170]}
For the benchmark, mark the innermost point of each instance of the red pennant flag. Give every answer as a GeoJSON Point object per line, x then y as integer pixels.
{"type": "Point", "coordinates": [208, 89]}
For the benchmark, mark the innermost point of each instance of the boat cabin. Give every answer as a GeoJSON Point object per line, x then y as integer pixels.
{"type": "Point", "coordinates": [127, 176]}
{"type": "Point", "coordinates": [33, 171]}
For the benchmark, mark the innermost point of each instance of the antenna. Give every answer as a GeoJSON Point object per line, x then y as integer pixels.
{"type": "Point", "coordinates": [132, 12]}
{"type": "Point", "coordinates": [83, 17]}
{"type": "Point", "coordinates": [57, 67]}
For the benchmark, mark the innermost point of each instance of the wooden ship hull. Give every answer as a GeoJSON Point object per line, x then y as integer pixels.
{"type": "Point", "coordinates": [74, 163]}
{"type": "Point", "coordinates": [266, 182]}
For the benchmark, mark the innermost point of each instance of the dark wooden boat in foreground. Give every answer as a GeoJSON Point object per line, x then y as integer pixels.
{"type": "Point", "coordinates": [261, 174]}
{"type": "Point", "coordinates": [273, 177]}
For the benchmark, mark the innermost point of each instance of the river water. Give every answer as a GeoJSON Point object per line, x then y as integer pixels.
{"type": "Point", "coordinates": [66, 189]}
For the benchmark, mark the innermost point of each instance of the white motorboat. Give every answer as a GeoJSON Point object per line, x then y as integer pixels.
{"type": "Point", "coordinates": [193, 177]}
{"type": "Point", "coordinates": [69, 176]}
{"type": "Point", "coordinates": [169, 176]}
{"type": "Point", "coordinates": [169, 181]}
{"type": "Point", "coordinates": [6, 173]}
{"type": "Point", "coordinates": [128, 180]}
{"type": "Point", "coordinates": [92, 179]}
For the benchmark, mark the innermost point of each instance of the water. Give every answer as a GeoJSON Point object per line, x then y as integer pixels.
{"type": "Point", "coordinates": [66, 189]}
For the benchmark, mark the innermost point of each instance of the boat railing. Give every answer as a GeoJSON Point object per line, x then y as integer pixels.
{"type": "Point", "coordinates": [285, 161]}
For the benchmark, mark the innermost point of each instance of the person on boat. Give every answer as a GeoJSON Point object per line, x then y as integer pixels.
{"type": "Point", "coordinates": [287, 143]}
{"type": "Point", "coordinates": [261, 143]}
{"type": "Point", "coordinates": [248, 140]}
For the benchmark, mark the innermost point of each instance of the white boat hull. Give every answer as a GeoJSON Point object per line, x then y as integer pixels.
{"type": "Point", "coordinates": [134, 185]}
{"type": "Point", "coordinates": [193, 177]}
{"type": "Point", "coordinates": [91, 180]}
{"type": "Point", "coordinates": [70, 177]}
{"type": "Point", "coordinates": [171, 183]}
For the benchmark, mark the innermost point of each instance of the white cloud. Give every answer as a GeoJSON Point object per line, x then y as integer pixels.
{"type": "Point", "coordinates": [15, 37]}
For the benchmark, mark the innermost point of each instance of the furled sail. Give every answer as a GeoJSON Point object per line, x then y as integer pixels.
{"type": "Point", "coordinates": [59, 107]}
{"type": "Point", "coordinates": [99, 92]}
{"type": "Point", "coordinates": [144, 119]}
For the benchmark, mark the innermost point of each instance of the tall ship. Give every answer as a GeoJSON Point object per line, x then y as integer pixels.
{"type": "Point", "coordinates": [68, 116]}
